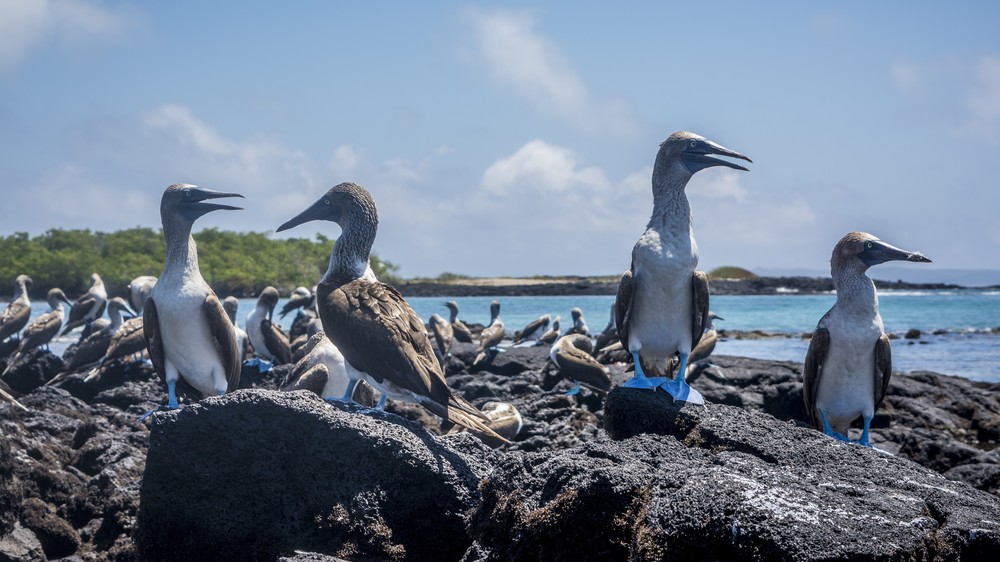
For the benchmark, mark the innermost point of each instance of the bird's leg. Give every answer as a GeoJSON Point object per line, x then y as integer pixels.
{"type": "Point", "coordinates": [865, 439]}
{"type": "Point", "coordinates": [574, 391]}
{"type": "Point", "coordinates": [381, 402]}
{"type": "Point", "coordinates": [639, 379]}
{"type": "Point", "coordinates": [679, 388]}
{"type": "Point", "coordinates": [829, 430]}
{"type": "Point", "coordinates": [349, 393]}
{"type": "Point", "coordinates": [172, 395]}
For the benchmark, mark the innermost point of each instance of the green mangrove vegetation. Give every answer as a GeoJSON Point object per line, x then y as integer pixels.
{"type": "Point", "coordinates": [233, 263]}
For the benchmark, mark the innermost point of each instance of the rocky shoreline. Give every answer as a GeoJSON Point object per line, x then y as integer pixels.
{"type": "Point", "coordinates": [262, 474]}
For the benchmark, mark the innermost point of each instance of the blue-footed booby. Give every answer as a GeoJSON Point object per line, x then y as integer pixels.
{"type": "Point", "coordinates": [551, 335]}
{"type": "Point", "coordinates": [609, 334]}
{"type": "Point", "coordinates": [533, 330]}
{"type": "Point", "coordinates": [301, 297]}
{"type": "Point", "coordinates": [231, 305]}
{"type": "Point", "coordinates": [573, 355]}
{"type": "Point", "coordinates": [43, 328]}
{"type": "Point", "coordinates": [662, 302]}
{"type": "Point", "coordinates": [267, 339]}
{"type": "Point", "coordinates": [491, 336]}
{"type": "Point", "coordinates": [91, 349]}
{"type": "Point", "coordinates": [90, 305]}
{"type": "Point", "coordinates": [322, 370]}
{"type": "Point", "coordinates": [127, 341]}
{"type": "Point", "coordinates": [579, 323]}
{"type": "Point", "coordinates": [443, 335]}
{"type": "Point", "coordinates": [461, 331]}
{"type": "Point", "coordinates": [370, 323]}
{"type": "Point", "coordinates": [139, 290]}
{"type": "Point", "coordinates": [190, 339]}
{"type": "Point", "coordinates": [849, 361]}
{"type": "Point", "coordinates": [18, 311]}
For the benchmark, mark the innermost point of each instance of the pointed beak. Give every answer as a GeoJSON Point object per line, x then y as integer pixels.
{"type": "Point", "coordinates": [194, 206]}
{"type": "Point", "coordinates": [879, 252]}
{"type": "Point", "coordinates": [699, 157]}
{"type": "Point", "coordinates": [316, 211]}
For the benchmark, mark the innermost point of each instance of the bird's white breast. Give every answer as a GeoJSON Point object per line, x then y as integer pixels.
{"type": "Point", "coordinates": [846, 388]}
{"type": "Point", "coordinates": [254, 332]}
{"type": "Point", "coordinates": [187, 341]}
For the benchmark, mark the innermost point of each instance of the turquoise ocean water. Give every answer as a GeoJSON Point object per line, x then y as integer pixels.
{"type": "Point", "coordinates": [965, 317]}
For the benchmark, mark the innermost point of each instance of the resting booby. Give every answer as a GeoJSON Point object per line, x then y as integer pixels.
{"type": "Point", "coordinates": [190, 339]}
{"type": "Point", "coordinates": [443, 335]}
{"type": "Point", "coordinates": [551, 335]}
{"type": "Point", "coordinates": [322, 370]}
{"type": "Point", "coordinates": [491, 336]}
{"type": "Point", "coordinates": [301, 297]}
{"type": "Point", "coordinates": [231, 305]}
{"type": "Point", "coordinates": [662, 301]}
{"type": "Point", "coordinates": [89, 307]}
{"type": "Point", "coordinates": [127, 341]}
{"type": "Point", "coordinates": [92, 348]}
{"type": "Point", "coordinates": [849, 361]}
{"type": "Point", "coordinates": [579, 323]}
{"type": "Point", "coordinates": [370, 323]}
{"type": "Point", "coordinates": [139, 290]}
{"type": "Point", "coordinates": [504, 419]}
{"type": "Point", "coordinates": [266, 337]}
{"type": "Point", "coordinates": [705, 347]}
{"type": "Point", "coordinates": [609, 334]}
{"type": "Point", "coordinates": [572, 355]}
{"type": "Point", "coordinates": [461, 331]}
{"type": "Point", "coordinates": [534, 330]}
{"type": "Point", "coordinates": [18, 311]}
{"type": "Point", "coordinates": [42, 329]}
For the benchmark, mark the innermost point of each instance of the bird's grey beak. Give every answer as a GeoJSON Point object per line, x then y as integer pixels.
{"type": "Point", "coordinates": [193, 205]}
{"type": "Point", "coordinates": [66, 300]}
{"type": "Point", "coordinates": [316, 211]}
{"type": "Point", "coordinates": [877, 252]}
{"type": "Point", "coordinates": [698, 157]}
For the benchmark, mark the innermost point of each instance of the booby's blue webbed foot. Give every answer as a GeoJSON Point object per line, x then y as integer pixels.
{"type": "Point", "coordinates": [348, 394]}
{"type": "Point", "coordinates": [160, 408]}
{"type": "Point", "coordinates": [640, 380]}
{"type": "Point", "coordinates": [573, 391]}
{"type": "Point", "coordinates": [865, 439]}
{"type": "Point", "coordinates": [381, 403]}
{"type": "Point", "coordinates": [827, 430]}
{"type": "Point", "coordinates": [681, 391]}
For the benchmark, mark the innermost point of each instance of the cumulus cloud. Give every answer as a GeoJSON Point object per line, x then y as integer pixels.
{"type": "Point", "coordinates": [539, 166]}
{"type": "Point", "coordinates": [27, 24]}
{"type": "Point", "coordinates": [718, 183]}
{"type": "Point", "coordinates": [519, 56]}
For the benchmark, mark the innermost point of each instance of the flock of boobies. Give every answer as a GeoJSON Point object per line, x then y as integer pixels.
{"type": "Point", "coordinates": [364, 329]}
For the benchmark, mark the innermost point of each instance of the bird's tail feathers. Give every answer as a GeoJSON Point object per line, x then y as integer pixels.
{"type": "Point", "coordinates": [6, 397]}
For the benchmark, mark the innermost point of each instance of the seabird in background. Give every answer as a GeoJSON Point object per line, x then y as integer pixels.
{"type": "Point", "coordinates": [127, 341]}
{"type": "Point", "coordinates": [504, 419]}
{"type": "Point", "coordinates": [190, 339]}
{"type": "Point", "coordinates": [301, 297]}
{"type": "Point", "coordinates": [849, 361]}
{"type": "Point", "coordinates": [534, 330]}
{"type": "Point", "coordinates": [461, 331]}
{"type": "Point", "coordinates": [231, 305]}
{"type": "Point", "coordinates": [443, 335]}
{"type": "Point", "coordinates": [704, 349]}
{"type": "Point", "coordinates": [662, 302]}
{"type": "Point", "coordinates": [18, 311]}
{"type": "Point", "coordinates": [42, 329]}
{"type": "Point", "coordinates": [609, 334]}
{"type": "Point", "coordinates": [572, 354]}
{"type": "Point", "coordinates": [322, 370]}
{"type": "Point", "coordinates": [139, 290]}
{"type": "Point", "coordinates": [551, 335]}
{"type": "Point", "coordinates": [370, 323]}
{"type": "Point", "coordinates": [579, 323]}
{"type": "Point", "coordinates": [90, 305]}
{"type": "Point", "coordinates": [267, 339]}
{"type": "Point", "coordinates": [92, 348]}
{"type": "Point", "coordinates": [491, 336]}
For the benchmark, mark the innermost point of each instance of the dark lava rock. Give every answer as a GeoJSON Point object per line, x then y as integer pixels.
{"type": "Point", "coordinates": [33, 369]}
{"type": "Point", "coordinates": [10, 491]}
{"type": "Point", "coordinates": [256, 474]}
{"type": "Point", "coordinates": [721, 483]}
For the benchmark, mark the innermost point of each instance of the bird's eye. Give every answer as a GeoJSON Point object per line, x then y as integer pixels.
{"type": "Point", "coordinates": [693, 143]}
{"type": "Point", "coordinates": [187, 193]}
{"type": "Point", "coordinates": [870, 245]}
{"type": "Point", "coordinates": [326, 201]}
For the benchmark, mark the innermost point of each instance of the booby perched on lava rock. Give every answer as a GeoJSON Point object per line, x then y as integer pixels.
{"type": "Point", "coordinates": [370, 323]}
{"type": "Point", "coordinates": [461, 331]}
{"type": "Point", "coordinates": [92, 348]}
{"type": "Point", "coordinates": [572, 354]}
{"type": "Point", "coordinates": [579, 323]}
{"type": "Point", "coordinates": [662, 302]}
{"type": "Point", "coordinates": [42, 329]}
{"type": "Point", "coordinates": [190, 339]}
{"type": "Point", "coordinates": [534, 330]}
{"type": "Point", "coordinates": [849, 361]}
{"type": "Point", "coordinates": [127, 341]}
{"type": "Point", "coordinates": [139, 290]}
{"type": "Point", "coordinates": [18, 310]}
{"type": "Point", "coordinates": [90, 305]}
{"type": "Point", "coordinates": [443, 335]}
{"type": "Point", "coordinates": [231, 305]}
{"type": "Point", "coordinates": [491, 336]}
{"type": "Point", "coordinates": [266, 337]}
{"type": "Point", "coordinates": [322, 370]}
{"type": "Point", "coordinates": [301, 297]}
{"type": "Point", "coordinates": [551, 335]}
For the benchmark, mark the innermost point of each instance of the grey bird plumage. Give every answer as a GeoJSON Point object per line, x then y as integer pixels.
{"type": "Point", "coordinates": [139, 290]}
{"type": "Point", "coordinates": [573, 355]}
{"type": "Point", "coordinates": [15, 317]}
{"type": "Point", "coordinates": [849, 361]}
{"type": "Point", "coordinates": [89, 307]}
{"type": "Point", "coordinates": [534, 329]}
{"type": "Point", "coordinates": [42, 329]}
{"type": "Point", "coordinates": [268, 340]}
{"type": "Point", "coordinates": [461, 331]}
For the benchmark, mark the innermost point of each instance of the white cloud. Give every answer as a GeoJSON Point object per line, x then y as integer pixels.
{"type": "Point", "coordinates": [27, 24]}
{"type": "Point", "coordinates": [539, 166]}
{"type": "Point", "coordinates": [519, 56]}
{"type": "Point", "coordinates": [984, 103]}
{"type": "Point", "coordinates": [717, 183]}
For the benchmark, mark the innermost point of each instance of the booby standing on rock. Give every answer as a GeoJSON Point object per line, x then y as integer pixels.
{"type": "Point", "coordinates": [322, 370]}
{"type": "Point", "coordinates": [849, 361]}
{"type": "Point", "coordinates": [443, 335]}
{"type": "Point", "coordinates": [370, 323]}
{"type": "Point", "coordinates": [551, 335]}
{"type": "Point", "coordinates": [267, 339]}
{"type": "Point", "coordinates": [190, 339]}
{"type": "Point", "coordinates": [579, 323]}
{"type": "Point", "coordinates": [90, 305]}
{"type": "Point", "coordinates": [301, 297]}
{"type": "Point", "coordinates": [534, 330]}
{"type": "Point", "coordinates": [18, 310]}
{"type": "Point", "coordinates": [491, 336]}
{"type": "Point", "coordinates": [461, 331]}
{"type": "Point", "coordinates": [128, 340]}
{"type": "Point", "coordinates": [91, 349]}
{"type": "Point", "coordinates": [572, 355]}
{"type": "Point", "coordinates": [231, 305]}
{"type": "Point", "coordinates": [662, 302]}
{"type": "Point", "coordinates": [42, 329]}
{"type": "Point", "coordinates": [139, 290]}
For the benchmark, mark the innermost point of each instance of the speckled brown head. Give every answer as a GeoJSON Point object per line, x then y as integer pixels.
{"type": "Point", "coordinates": [860, 250]}
{"type": "Point", "coordinates": [689, 153]}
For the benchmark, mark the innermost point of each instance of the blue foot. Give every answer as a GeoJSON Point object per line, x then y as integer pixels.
{"type": "Point", "coordinates": [381, 403]}
{"type": "Point", "coordinates": [639, 380]}
{"type": "Point", "coordinates": [161, 408]}
{"type": "Point", "coordinates": [865, 440]}
{"type": "Point", "coordinates": [682, 392]}
{"type": "Point", "coordinates": [349, 393]}
{"type": "Point", "coordinates": [573, 391]}
{"type": "Point", "coordinates": [829, 430]}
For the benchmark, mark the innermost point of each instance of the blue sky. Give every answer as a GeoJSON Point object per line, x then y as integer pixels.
{"type": "Point", "coordinates": [514, 139]}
